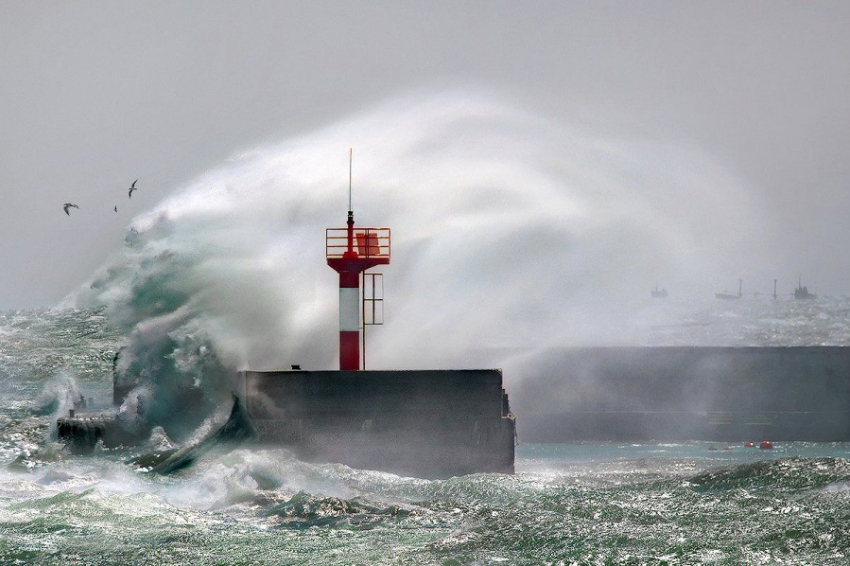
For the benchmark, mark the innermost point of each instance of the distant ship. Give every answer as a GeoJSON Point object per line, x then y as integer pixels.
{"type": "Point", "coordinates": [802, 292]}
{"type": "Point", "coordinates": [729, 296]}
{"type": "Point", "coordinates": [659, 293]}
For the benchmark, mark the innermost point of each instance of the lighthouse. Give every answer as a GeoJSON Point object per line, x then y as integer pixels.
{"type": "Point", "coordinates": [414, 422]}
{"type": "Point", "coordinates": [350, 252]}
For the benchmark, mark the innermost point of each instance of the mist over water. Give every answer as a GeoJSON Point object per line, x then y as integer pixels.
{"type": "Point", "coordinates": [509, 231]}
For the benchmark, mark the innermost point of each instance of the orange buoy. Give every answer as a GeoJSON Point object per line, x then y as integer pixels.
{"type": "Point", "coordinates": [766, 445]}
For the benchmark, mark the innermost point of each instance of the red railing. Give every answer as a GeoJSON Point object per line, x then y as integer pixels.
{"type": "Point", "coordinates": [367, 242]}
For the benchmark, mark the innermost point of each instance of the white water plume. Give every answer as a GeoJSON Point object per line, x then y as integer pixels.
{"type": "Point", "coordinates": [507, 231]}
{"type": "Point", "coordinates": [59, 395]}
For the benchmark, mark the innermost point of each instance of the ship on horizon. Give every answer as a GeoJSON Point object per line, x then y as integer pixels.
{"type": "Point", "coordinates": [729, 296]}
{"type": "Point", "coordinates": [802, 292]}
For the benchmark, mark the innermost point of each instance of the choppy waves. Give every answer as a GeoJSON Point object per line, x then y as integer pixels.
{"type": "Point", "coordinates": [264, 507]}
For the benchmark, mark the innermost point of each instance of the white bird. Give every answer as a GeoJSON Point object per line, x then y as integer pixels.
{"type": "Point", "coordinates": [132, 188]}
{"type": "Point", "coordinates": [68, 205]}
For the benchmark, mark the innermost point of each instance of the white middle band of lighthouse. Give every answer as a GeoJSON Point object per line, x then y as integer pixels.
{"type": "Point", "coordinates": [349, 308]}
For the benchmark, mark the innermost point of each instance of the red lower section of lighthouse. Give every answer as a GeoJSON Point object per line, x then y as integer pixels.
{"type": "Point", "coordinates": [349, 350]}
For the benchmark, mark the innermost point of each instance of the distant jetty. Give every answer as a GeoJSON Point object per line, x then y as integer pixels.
{"type": "Point", "coordinates": [673, 393]}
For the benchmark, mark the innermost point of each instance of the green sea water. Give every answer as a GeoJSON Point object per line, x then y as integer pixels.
{"type": "Point", "coordinates": [264, 507]}
{"type": "Point", "coordinates": [592, 503]}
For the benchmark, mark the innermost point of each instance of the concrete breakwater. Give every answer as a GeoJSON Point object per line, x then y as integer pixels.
{"type": "Point", "coordinates": [425, 423]}
{"type": "Point", "coordinates": [687, 393]}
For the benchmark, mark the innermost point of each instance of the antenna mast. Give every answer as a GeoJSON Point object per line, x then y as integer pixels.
{"type": "Point", "coordinates": [350, 163]}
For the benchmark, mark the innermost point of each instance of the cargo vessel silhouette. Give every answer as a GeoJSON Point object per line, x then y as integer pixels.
{"type": "Point", "coordinates": [802, 292]}
{"type": "Point", "coordinates": [726, 295]}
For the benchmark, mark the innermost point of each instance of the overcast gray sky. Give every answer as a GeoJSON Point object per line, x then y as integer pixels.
{"type": "Point", "coordinates": [96, 94]}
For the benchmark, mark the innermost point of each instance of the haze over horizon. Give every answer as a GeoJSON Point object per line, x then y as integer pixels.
{"type": "Point", "coordinates": [754, 96]}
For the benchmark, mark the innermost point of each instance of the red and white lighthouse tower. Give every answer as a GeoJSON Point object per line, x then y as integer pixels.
{"type": "Point", "coordinates": [351, 251]}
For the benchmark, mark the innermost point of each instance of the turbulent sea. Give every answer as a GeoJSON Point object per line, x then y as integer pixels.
{"type": "Point", "coordinates": [600, 503]}
{"type": "Point", "coordinates": [513, 236]}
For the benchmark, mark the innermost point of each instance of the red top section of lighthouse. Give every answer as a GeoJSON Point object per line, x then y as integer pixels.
{"type": "Point", "coordinates": [353, 250]}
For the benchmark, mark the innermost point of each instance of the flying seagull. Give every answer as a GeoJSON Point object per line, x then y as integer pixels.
{"type": "Point", "coordinates": [116, 208]}
{"type": "Point", "coordinates": [68, 205]}
{"type": "Point", "coordinates": [132, 188]}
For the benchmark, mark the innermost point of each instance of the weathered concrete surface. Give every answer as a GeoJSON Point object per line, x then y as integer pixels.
{"type": "Point", "coordinates": [687, 393]}
{"type": "Point", "coordinates": [429, 423]}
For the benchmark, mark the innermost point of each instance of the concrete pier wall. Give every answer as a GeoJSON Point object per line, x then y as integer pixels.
{"type": "Point", "coordinates": [429, 423]}
{"type": "Point", "coordinates": [687, 393]}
